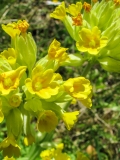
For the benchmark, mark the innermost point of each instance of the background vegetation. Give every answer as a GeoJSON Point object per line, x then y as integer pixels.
{"type": "Point", "coordinates": [98, 127]}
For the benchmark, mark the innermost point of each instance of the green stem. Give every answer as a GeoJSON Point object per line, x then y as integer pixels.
{"type": "Point", "coordinates": [88, 67]}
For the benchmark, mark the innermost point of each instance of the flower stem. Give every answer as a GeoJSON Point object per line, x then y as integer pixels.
{"type": "Point", "coordinates": [88, 67]}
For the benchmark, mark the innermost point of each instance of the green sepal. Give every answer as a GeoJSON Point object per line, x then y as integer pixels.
{"type": "Point", "coordinates": [33, 105]}
{"type": "Point", "coordinates": [4, 65]}
{"type": "Point", "coordinates": [74, 60]}
{"type": "Point", "coordinates": [26, 49]}
{"type": "Point", "coordinates": [14, 122]}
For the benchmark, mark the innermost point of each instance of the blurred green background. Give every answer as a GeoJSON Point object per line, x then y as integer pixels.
{"type": "Point", "coordinates": [98, 127]}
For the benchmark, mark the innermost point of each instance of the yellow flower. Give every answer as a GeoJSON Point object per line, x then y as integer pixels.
{"type": "Point", "coordinates": [74, 9]}
{"type": "Point", "coordinates": [43, 83]}
{"type": "Point", "coordinates": [10, 80]}
{"type": "Point", "coordinates": [47, 154]}
{"type": "Point", "coordinates": [55, 52]}
{"type": "Point", "coordinates": [70, 118]}
{"type": "Point", "coordinates": [54, 153]}
{"type": "Point", "coordinates": [80, 89]}
{"type": "Point", "coordinates": [59, 12]}
{"type": "Point", "coordinates": [10, 147]}
{"type": "Point", "coordinates": [9, 55]}
{"type": "Point", "coordinates": [13, 29]}
{"type": "Point", "coordinates": [91, 41]}
{"type": "Point", "coordinates": [47, 121]}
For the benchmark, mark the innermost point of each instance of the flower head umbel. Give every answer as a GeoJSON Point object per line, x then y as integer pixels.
{"type": "Point", "coordinates": [59, 12]}
{"type": "Point", "coordinates": [10, 80]}
{"type": "Point", "coordinates": [15, 28]}
{"type": "Point", "coordinates": [43, 83]}
{"type": "Point", "coordinates": [91, 40]}
{"type": "Point", "coordinates": [80, 89]}
{"type": "Point", "coordinates": [10, 147]}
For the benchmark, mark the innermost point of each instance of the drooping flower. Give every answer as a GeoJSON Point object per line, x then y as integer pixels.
{"type": "Point", "coordinates": [47, 121]}
{"type": "Point", "coordinates": [70, 118]}
{"type": "Point", "coordinates": [91, 41]}
{"type": "Point", "coordinates": [80, 89]}
{"type": "Point", "coordinates": [10, 80]}
{"type": "Point", "coordinates": [10, 55]}
{"type": "Point", "coordinates": [10, 147]}
{"type": "Point", "coordinates": [59, 12]}
{"type": "Point", "coordinates": [15, 28]}
{"type": "Point", "coordinates": [43, 83]}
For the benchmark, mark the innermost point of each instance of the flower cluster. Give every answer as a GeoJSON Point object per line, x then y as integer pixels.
{"type": "Point", "coordinates": [57, 154]}
{"type": "Point", "coordinates": [95, 28]}
{"type": "Point", "coordinates": [31, 89]}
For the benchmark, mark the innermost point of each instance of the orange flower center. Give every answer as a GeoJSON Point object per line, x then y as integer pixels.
{"type": "Point", "coordinates": [77, 21]}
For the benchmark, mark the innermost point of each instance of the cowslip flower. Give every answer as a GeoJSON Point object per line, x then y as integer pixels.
{"type": "Point", "coordinates": [47, 154]}
{"type": "Point", "coordinates": [10, 55]}
{"type": "Point", "coordinates": [10, 80]}
{"type": "Point", "coordinates": [74, 9]}
{"type": "Point", "coordinates": [43, 83]}
{"type": "Point", "coordinates": [80, 89]}
{"type": "Point", "coordinates": [56, 52]}
{"type": "Point", "coordinates": [10, 147]}
{"type": "Point", "coordinates": [91, 41]}
{"type": "Point", "coordinates": [70, 118]}
{"type": "Point", "coordinates": [47, 121]}
{"type": "Point", "coordinates": [15, 28]}
{"type": "Point", "coordinates": [59, 12]}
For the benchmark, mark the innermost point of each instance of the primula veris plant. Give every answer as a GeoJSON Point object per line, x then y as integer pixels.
{"type": "Point", "coordinates": [95, 29]}
{"type": "Point", "coordinates": [32, 90]}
